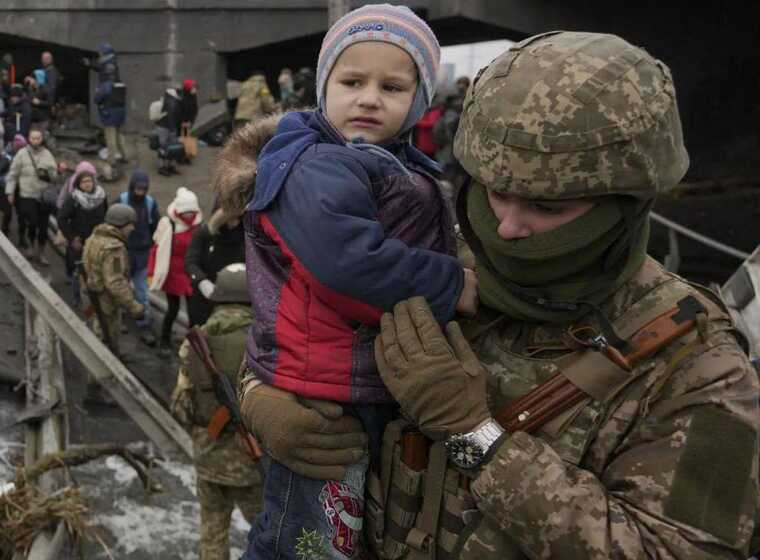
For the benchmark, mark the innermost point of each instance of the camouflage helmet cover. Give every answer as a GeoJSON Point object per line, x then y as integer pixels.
{"type": "Point", "coordinates": [566, 115]}
{"type": "Point", "coordinates": [231, 285]}
{"type": "Point", "coordinates": [120, 215]}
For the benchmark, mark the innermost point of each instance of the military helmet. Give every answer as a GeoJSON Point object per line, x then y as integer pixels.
{"type": "Point", "coordinates": [231, 285]}
{"type": "Point", "coordinates": [567, 115]}
{"type": "Point", "coordinates": [120, 215]}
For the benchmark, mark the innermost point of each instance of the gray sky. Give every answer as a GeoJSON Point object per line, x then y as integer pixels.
{"type": "Point", "coordinates": [470, 58]}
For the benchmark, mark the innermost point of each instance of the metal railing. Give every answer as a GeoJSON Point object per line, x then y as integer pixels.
{"type": "Point", "coordinates": [673, 258]}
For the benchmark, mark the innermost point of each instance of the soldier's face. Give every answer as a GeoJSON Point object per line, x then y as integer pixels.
{"type": "Point", "coordinates": [522, 217]}
{"type": "Point", "coordinates": [370, 91]}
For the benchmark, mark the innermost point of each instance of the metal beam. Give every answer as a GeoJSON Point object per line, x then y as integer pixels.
{"type": "Point", "coordinates": [124, 387]}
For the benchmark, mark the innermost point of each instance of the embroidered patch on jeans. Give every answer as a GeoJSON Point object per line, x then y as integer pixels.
{"type": "Point", "coordinates": [343, 508]}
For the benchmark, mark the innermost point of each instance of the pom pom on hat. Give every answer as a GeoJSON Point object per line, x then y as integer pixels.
{"type": "Point", "coordinates": [185, 201]}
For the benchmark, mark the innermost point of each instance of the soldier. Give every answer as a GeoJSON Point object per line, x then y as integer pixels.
{"type": "Point", "coordinates": [567, 138]}
{"type": "Point", "coordinates": [226, 474]}
{"type": "Point", "coordinates": [106, 266]}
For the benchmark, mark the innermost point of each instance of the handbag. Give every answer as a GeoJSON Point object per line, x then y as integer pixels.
{"type": "Point", "coordinates": [189, 142]}
{"type": "Point", "coordinates": [49, 195]}
{"type": "Point", "coordinates": [42, 174]}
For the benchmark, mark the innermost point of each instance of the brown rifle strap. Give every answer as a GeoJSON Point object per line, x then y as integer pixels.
{"type": "Point", "coordinates": [559, 393]}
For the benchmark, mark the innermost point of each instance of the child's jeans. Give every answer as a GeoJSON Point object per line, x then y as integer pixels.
{"type": "Point", "coordinates": [306, 518]}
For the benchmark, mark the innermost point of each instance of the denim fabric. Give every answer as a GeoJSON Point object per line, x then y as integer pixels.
{"type": "Point", "coordinates": [139, 276]}
{"type": "Point", "coordinates": [310, 518]}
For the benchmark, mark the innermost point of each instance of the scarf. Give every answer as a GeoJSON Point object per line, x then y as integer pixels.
{"type": "Point", "coordinates": [543, 277]}
{"type": "Point", "coordinates": [162, 238]}
{"type": "Point", "coordinates": [90, 200]}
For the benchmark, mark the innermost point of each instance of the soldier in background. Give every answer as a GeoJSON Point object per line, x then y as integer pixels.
{"type": "Point", "coordinates": [226, 474]}
{"type": "Point", "coordinates": [566, 138]}
{"type": "Point", "coordinates": [106, 264]}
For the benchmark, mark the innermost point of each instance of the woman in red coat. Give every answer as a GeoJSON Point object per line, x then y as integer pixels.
{"type": "Point", "coordinates": [166, 263]}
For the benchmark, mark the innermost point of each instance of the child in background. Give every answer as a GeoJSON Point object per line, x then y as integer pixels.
{"type": "Point", "coordinates": [347, 219]}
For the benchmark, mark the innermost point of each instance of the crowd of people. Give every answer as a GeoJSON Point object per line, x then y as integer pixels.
{"type": "Point", "coordinates": [439, 309]}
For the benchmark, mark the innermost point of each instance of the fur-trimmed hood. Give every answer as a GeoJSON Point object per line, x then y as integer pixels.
{"type": "Point", "coordinates": [235, 169]}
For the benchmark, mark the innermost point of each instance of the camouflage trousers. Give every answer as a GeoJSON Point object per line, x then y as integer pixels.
{"type": "Point", "coordinates": [217, 502]}
{"type": "Point", "coordinates": [113, 322]}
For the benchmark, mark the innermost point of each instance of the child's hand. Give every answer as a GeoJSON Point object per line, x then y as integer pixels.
{"type": "Point", "coordinates": [468, 299]}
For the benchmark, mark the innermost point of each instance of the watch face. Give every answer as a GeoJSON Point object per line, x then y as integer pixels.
{"type": "Point", "coordinates": [464, 452]}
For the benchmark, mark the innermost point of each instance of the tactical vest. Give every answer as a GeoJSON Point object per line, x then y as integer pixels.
{"type": "Point", "coordinates": [227, 350]}
{"type": "Point", "coordinates": [418, 507]}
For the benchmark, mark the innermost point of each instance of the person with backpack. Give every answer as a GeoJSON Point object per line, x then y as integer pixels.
{"type": "Point", "coordinates": [110, 97]}
{"type": "Point", "coordinates": [139, 243]}
{"type": "Point", "coordinates": [167, 129]}
{"type": "Point", "coordinates": [82, 211]}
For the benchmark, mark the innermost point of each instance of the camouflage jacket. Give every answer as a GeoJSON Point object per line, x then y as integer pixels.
{"type": "Point", "coordinates": [107, 266]}
{"type": "Point", "coordinates": [223, 460]}
{"type": "Point", "coordinates": [666, 469]}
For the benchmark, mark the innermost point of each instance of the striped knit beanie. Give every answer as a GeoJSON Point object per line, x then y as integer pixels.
{"type": "Point", "coordinates": [396, 25]}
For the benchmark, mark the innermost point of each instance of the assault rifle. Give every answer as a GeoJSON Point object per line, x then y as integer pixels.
{"type": "Point", "coordinates": [225, 394]}
{"type": "Point", "coordinates": [95, 302]}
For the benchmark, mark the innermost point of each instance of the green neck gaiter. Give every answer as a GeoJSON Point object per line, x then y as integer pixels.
{"type": "Point", "coordinates": [585, 260]}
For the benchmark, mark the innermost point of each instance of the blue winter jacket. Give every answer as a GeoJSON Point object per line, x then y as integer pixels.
{"type": "Point", "coordinates": [335, 236]}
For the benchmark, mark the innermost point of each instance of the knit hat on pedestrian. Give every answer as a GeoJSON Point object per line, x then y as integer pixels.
{"type": "Point", "coordinates": [396, 25]}
{"type": "Point", "coordinates": [189, 84]}
{"type": "Point", "coordinates": [185, 201]}
{"type": "Point", "coordinates": [18, 142]}
{"type": "Point", "coordinates": [139, 178]}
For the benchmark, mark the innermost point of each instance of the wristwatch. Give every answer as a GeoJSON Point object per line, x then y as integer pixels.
{"type": "Point", "coordinates": [467, 451]}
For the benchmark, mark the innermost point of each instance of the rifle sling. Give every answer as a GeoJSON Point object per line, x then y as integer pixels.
{"type": "Point", "coordinates": [599, 375]}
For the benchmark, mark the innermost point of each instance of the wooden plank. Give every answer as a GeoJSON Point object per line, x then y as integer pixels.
{"type": "Point", "coordinates": [155, 421]}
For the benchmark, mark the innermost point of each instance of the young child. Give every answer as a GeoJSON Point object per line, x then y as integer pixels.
{"type": "Point", "coordinates": [346, 221]}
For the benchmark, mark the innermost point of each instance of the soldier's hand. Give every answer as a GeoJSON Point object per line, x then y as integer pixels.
{"type": "Point", "coordinates": [437, 380]}
{"type": "Point", "coordinates": [312, 438]}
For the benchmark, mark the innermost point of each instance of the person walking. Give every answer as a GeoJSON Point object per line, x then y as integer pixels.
{"type": "Point", "coordinates": [226, 476]}
{"type": "Point", "coordinates": [597, 406]}
{"type": "Point", "coordinates": [167, 130]}
{"type": "Point", "coordinates": [111, 100]}
{"type": "Point", "coordinates": [52, 77]}
{"type": "Point", "coordinates": [5, 165]}
{"type": "Point", "coordinates": [139, 243]}
{"type": "Point", "coordinates": [32, 170]}
{"type": "Point", "coordinates": [17, 116]}
{"type": "Point", "coordinates": [81, 213]}
{"type": "Point", "coordinates": [39, 100]}
{"type": "Point", "coordinates": [215, 244]}
{"type": "Point", "coordinates": [106, 265]}
{"type": "Point", "coordinates": [166, 262]}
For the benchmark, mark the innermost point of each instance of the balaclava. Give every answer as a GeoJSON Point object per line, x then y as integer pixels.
{"type": "Point", "coordinates": [396, 25]}
{"type": "Point", "coordinates": [585, 260]}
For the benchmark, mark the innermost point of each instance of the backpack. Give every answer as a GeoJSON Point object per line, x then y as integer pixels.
{"type": "Point", "coordinates": [156, 110]}
{"type": "Point", "coordinates": [149, 200]}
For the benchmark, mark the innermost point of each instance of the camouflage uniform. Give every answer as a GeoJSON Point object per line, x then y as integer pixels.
{"type": "Point", "coordinates": [226, 475]}
{"type": "Point", "coordinates": [668, 466]}
{"type": "Point", "coordinates": [652, 473]}
{"type": "Point", "coordinates": [107, 265]}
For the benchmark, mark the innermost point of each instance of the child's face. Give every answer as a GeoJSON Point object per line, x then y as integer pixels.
{"type": "Point", "coordinates": [370, 91]}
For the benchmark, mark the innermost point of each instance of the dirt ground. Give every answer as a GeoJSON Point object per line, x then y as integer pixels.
{"type": "Point", "coordinates": [196, 177]}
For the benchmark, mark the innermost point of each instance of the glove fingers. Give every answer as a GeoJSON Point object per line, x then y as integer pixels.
{"type": "Point", "coordinates": [343, 426]}
{"type": "Point", "coordinates": [328, 409]}
{"type": "Point", "coordinates": [328, 457]}
{"type": "Point", "coordinates": [462, 349]}
{"type": "Point", "coordinates": [392, 352]}
{"type": "Point", "coordinates": [427, 327]}
{"type": "Point", "coordinates": [315, 471]}
{"type": "Point", "coordinates": [334, 442]}
{"type": "Point", "coordinates": [406, 333]}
